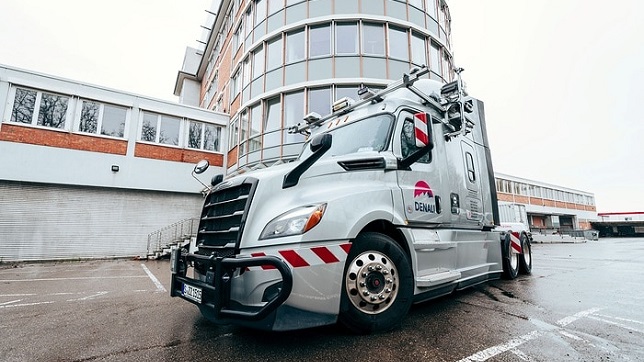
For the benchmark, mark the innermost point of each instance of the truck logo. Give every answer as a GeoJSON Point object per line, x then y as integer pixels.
{"type": "Point", "coordinates": [422, 190]}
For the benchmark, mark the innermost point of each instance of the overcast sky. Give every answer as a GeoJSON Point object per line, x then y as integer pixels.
{"type": "Point", "coordinates": [563, 86]}
{"type": "Point", "coordinates": [562, 80]}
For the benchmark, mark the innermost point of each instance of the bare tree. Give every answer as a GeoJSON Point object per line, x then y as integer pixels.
{"type": "Point", "coordinates": [23, 106]}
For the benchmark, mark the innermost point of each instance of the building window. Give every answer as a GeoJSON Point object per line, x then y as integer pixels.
{"type": "Point", "coordinates": [418, 51]}
{"type": "Point", "coordinates": [248, 24]}
{"type": "Point", "coordinates": [258, 62]}
{"type": "Point", "coordinates": [535, 191]}
{"type": "Point", "coordinates": [274, 52]}
{"type": "Point", "coordinates": [446, 66]}
{"type": "Point", "coordinates": [234, 84]}
{"type": "Point", "coordinates": [255, 128]}
{"type": "Point", "coordinates": [24, 105]}
{"type": "Point", "coordinates": [39, 108]}
{"type": "Point", "coordinates": [233, 134]}
{"type": "Point", "coordinates": [160, 128]}
{"type": "Point", "coordinates": [373, 39]}
{"type": "Point", "coordinates": [503, 186]}
{"type": "Point", "coordinates": [237, 37]}
{"type": "Point", "coordinates": [104, 119]}
{"type": "Point", "coordinates": [246, 73]}
{"type": "Point", "coordinates": [260, 11]}
{"type": "Point", "coordinates": [295, 46]}
{"type": "Point", "coordinates": [272, 123]}
{"type": "Point", "coordinates": [275, 6]}
{"type": "Point", "coordinates": [346, 38]}
{"type": "Point", "coordinates": [53, 110]}
{"type": "Point", "coordinates": [435, 59]}
{"type": "Point", "coordinates": [203, 136]}
{"type": "Point", "coordinates": [243, 134]}
{"type": "Point", "coordinates": [319, 41]}
{"type": "Point", "coordinates": [293, 114]}
{"type": "Point", "coordinates": [416, 3]}
{"type": "Point", "coordinates": [346, 92]}
{"type": "Point", "coordinates": [398, 44]}
{"type": "Point", "coordinates": [430, 5]}
{"type": "Point", "coordinates": [320, 101]}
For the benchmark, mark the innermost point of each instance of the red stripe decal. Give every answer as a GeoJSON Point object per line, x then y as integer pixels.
{"type": "Point", "coordinates": [515, 241]}
{"type": "Point", "coordinates": [346, 247]}
{"type": "Point", "coordinates": [325, 254]}
{"type": "Point", "coordinates": [265, 267]}
{"type": "Point", "coordinates": [293, 258]}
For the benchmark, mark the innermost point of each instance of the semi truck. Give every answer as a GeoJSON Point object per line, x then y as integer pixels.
{"type": "Point", "coordinates": [391, 202]}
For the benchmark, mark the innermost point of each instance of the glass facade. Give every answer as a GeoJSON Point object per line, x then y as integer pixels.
{"type": "Point", "coordinates": [299, 56]}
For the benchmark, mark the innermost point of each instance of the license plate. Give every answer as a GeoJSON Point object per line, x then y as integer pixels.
{"type": "Point", "coordinates": [192, 293]}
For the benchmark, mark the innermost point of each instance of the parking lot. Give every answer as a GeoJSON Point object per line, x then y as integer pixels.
{"type": "Point", "coordinates": [582, 302]}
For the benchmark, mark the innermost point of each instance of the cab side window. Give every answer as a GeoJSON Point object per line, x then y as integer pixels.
{"type": "Point", "coordinates": [408, 139]}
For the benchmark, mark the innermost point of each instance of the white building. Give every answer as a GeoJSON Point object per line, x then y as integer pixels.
{"type": "Point", "coordinates": [87, 171]}
{"type": "Point", "coordinates": [549, 207]}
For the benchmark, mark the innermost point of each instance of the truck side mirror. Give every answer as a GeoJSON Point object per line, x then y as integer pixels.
{"type": "Point", "coordinates": [319, 145]}
{"type": "Point", "coordinates": [201, 167]}
{"type": "Point", "coordinates": [320, 141]}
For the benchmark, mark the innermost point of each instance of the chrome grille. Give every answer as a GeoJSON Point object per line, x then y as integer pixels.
{"type": "Point", "coordinates": [223, 216]}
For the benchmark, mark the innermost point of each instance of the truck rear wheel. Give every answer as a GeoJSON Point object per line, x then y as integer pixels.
{"type": "Point", "coordinates": [525, 261]}
{"type": "Point", "coordinates": [510, 259]}
{"type": "Point", "coordinates": [377, 286]}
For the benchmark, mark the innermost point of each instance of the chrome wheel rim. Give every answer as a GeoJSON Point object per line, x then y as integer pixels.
{"type": "Point", "coordinates": [372, 282]}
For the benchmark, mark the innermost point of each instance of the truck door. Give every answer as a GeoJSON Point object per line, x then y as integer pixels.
{"type": "Point", "coordinates": [425, 197]}
{"type": "Point", "coordinates": [421, 186]}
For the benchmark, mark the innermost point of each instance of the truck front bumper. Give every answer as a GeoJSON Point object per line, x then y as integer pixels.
{"type": "Point", "coordinates": [213, 296]}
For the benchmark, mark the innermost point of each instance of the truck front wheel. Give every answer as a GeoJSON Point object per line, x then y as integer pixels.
{"type": "Point", "coordinates": [377, 285]}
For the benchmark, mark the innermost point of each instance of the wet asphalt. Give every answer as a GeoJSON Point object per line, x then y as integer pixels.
{"type": "Point", "coordinates": [583, 302]}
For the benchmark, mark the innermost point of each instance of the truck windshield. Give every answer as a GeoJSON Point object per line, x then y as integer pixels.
{"type": "Point", "coordinates": [368, 134]}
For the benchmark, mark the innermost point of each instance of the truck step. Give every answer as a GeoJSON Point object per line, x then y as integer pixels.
{"type": "Point", "coordinates": [436, 279]}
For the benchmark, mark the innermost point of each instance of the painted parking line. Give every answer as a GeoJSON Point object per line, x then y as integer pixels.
{"type": "Point", "coordinates": [621, 325]}
{"type": "Point", "coordinates": [11, 302]}
{"type": "Point", "coordinates": [620, 319]}
{"type": "Point", "coordinates": [493, 351]}
{"type": "Point", "coordinates": [154, 279]}
{"type": "Point", "coordinates": [87, 297]}
{"type": "Point", "coordinates": [63, 279]}
{"type": "Point", "coordinates": [23, 305]}
{"type": "Point", "coordinates": [566, 321]}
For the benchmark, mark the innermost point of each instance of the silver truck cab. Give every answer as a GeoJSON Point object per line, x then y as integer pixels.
{"type": "Point", "coordinates": [391, 202]}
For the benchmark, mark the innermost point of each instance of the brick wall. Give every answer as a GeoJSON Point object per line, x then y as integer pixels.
{"type": "Point", "coordinates": [504, 197]}
{"type": "Point", "coordinates": [232, 156]}
{"type": "Point", "coordinates": [165, 153]}
{"type": "Point", "coordinates": [521, 199]}
{"type": "Point", "coordinates": [61, 139]}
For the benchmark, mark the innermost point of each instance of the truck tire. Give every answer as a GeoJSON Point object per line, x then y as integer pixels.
{"type": "Point", "coordinates": [525, 259]}
{"type": "Point", "coordinates": [377, 285]}
{"type": "Point", "coordinates": [510, 259]}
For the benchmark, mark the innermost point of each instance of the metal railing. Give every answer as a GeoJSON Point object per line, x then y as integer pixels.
{"type": "Point", "coordinates": [589, 234]}
{"type": "Point", "coordinates": [172, 234]}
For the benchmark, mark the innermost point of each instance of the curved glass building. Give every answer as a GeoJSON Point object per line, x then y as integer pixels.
{"type": "Point", "coordinates": [267, 63]}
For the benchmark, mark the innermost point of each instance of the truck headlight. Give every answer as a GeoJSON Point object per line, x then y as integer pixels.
{"type": "Point", "coordinates": [294, 222]}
